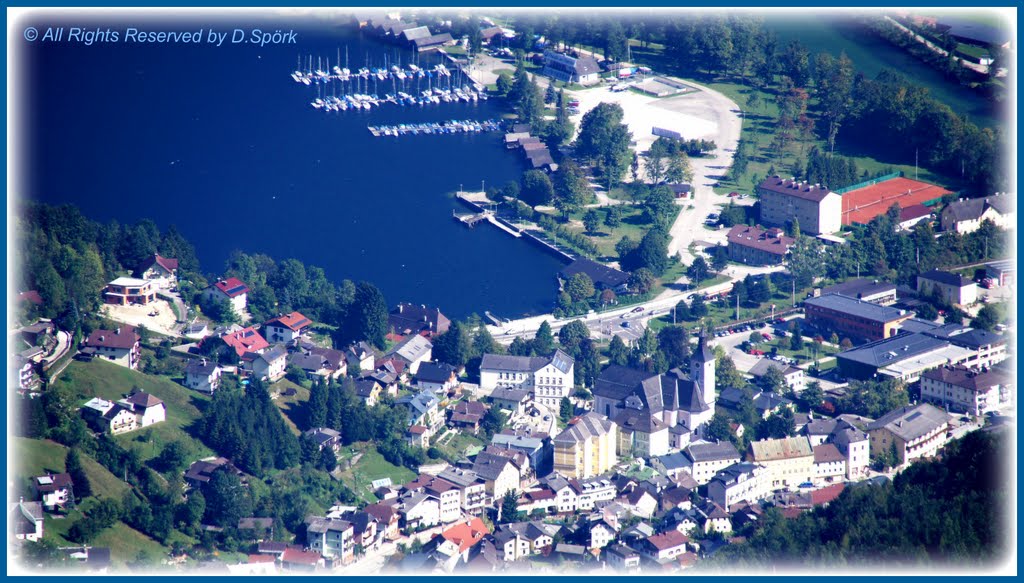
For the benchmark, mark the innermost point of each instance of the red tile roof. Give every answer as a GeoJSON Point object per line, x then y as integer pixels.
{"type": "Point", "coordinates": [757, 238]}
{"type": "Point", "coordinates": [467, 534]}
{"type": "Point", "coordinates": [417, 430]}
{"type": "Point", "coordinates": [168, 264]}
{"type": "Point", "coordinates": [295, 322]}
{"type": "Point", "coordinates": [245, 340]}
{"type": "Point", "coordinates": [791, 512]}
{"type": "Point", "coordinates": [261, 558]}
{"type": "Point", "coordinates": [668, 540]}
{"type": "Point", "coordinates": [826, 494]}
{"type": "Point", "coordinates": [31, 296]}
{"type": "Point", "coordinates": [300, 557]}
{"type": "Point", "coordinates": [231, 287]}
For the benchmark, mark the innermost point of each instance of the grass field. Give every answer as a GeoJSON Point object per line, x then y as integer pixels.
{"type": "Point", "coordinates": [293, 408]}
{"type": "Point", "coordinates": [460, 445]}
{"type": "Point", "coordinates": [37, 457]}
{"type": "Point", "coordinates": [372, 466]}
{"type": "Point", "coordinates": [112, 382]}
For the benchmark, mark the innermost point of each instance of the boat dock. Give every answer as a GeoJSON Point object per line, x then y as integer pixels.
{"type": "Point", "coordinates": [471, 220]}
{"type": "Point", "coordinates": [448, 127]}
{"type": "Point", "coordinates": [478, 202]}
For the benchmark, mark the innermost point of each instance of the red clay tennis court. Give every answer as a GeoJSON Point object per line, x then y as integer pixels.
{"type": "Point", "coordinates": [863, 204]}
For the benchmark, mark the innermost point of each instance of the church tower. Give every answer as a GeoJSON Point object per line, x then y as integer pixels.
{"type": "Point", "coordinates": [702, 370]}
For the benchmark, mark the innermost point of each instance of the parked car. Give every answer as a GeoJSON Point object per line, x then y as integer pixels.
{"type": "Point", "coordinates": [756, 352]}
{"type": "Point", "coordinates": [638, 310]}
{"type": "Point", "coordinates": [766, 336]}
{"type": "Point", "coordinates": [625, 324]}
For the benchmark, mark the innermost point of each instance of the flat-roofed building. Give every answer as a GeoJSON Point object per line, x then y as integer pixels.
{"type": "Point", "coordinates": [817, 209]}
{"type": "Point", "coordinates": [126, 291]}
{"type": "Point", "coordinates": [853, 318]}
{"type": "Point", "coordinates": [903, 357]}
{"type": "Point", "coordinates": [868, 290]}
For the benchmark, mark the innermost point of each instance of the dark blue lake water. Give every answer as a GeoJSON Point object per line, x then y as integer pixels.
{"type": "Point", "coordinates": [222, 143]}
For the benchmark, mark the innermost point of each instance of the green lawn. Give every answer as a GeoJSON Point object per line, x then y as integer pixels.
{"type": "Point", "coordinates": [372, 466]}
{"type": "Point", "coordinates": [112, 382]}
{"type": "Point", "coordinates": [293, 408]}
{"type": "Point", "coordinates": [36, 457]}
{"type": "Point", "coordinates": [460, 445]}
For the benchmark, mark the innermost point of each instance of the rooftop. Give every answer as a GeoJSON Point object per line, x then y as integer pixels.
{"type": "Point", "coordinates": [855, 307]}
{"type": "Point", "coordinates": [946, 278]}
{"type": "Point", "coordinates": [860, 288]}
{"type": "Point", "coordinates": [778, 449]}
{"type": "Point", "coordinates": [293, 321]}
{"type": "Point", "coordinates": [707, 452]}
{"type": "Point", "coordinates": [790, 187]}
{"type": "Point", "coordinates": [911, 422]}
{"type": "Point", "coordinates": [769, 241]}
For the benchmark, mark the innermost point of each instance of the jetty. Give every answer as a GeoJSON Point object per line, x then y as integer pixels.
{"type": "Point", "coordinates": [471, 220]}
{"type": "Point", "coordinates": [479, 203]}
{"type": "Point", "coordinates": [448, 127]}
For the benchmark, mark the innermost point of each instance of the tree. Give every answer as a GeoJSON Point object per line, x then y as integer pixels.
{"type": "Point", "coordinates": [537, 189]}
{"type": "Point", "coordinates": [227, 499]}
{"type": "Point", "coordinates": [73, 466]}
{"type": "Point", "coordinates": [604, 140]}
{"type": "Point", "coordinates": [698, 270]}
{"type": "Point", "coordinates": [613, 216]}
{"type": "Point", "coordinates": [812, 395]}
{"type": "Point", "coordinates": [674, 343]}
{"type": "Point", "coordinates": [772, 380]}
{"type": "Point", "coordinates": [988, 316]}
{"type": "Point", "coordinates": [719, 429]}
{"type": "Point", "coordinates": [570, 185]}
{"type": "Point", "coordinates": [618, 352]}
{"type": "Point", "coordinates": [368, 316]}
{"type": "Point", "coordinates": [504, 83]}
{"type": "Point", "coordinates": [318, 404]}
{"type": "Point", "coordinates": [698, 307]}
{"type": "Point", "coordinates": [641, 281]}
{"type": "Point", "coordinates": [796, 341]}
{"type": "Point", "coordinates": [572, 334]}
{"type": "Point", "coordinates": [579, 287]}
{"type": "Point", "coordinates": [776, 426]}
{"type": "Point", "coordinates": [805, 261]}
{"type": "Point", "coordinates": [509, 509]}
{"type": "Point", "coordinates": [565, 410]}
{"type": "Point", "coordinates": [550, 95]}
{"type": "Point", "coordinates": [520, 347]}
{"type": "Point", "coordinates": [615, 43]}
{"type": "Point", "coordinates": [454, 346]}
{"type": "Point", "coordinates": [591, 221]}
{"type": "Point", "coordinates": [173, 458]}
{"type": "Point", "coordinates": [544, 340]}
{"type": "Point", "coordinates": [491, 423]}
{"type": "Point", "coordinates": [526, 96]}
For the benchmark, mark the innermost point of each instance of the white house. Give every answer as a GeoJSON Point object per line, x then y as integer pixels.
{"type": "Point", "coordinates": [148, 408]}
{"type": "Point", "coordinates": [271, 364]}
{"type": "Point", "coordinates": [286, 328]}
{"type": "Point", "coordinates": [706, 459]}
{"type": "Point", "coordinates": [26, 520]}
{"type": "Point", "coordinates": [950, 287]}
{"type": "Point", "coordinates": [739, 482]}
{"type": "Point", "coordinates": [913, 432]}
{"type": "Point", "coordinates": [105, 415]}
{"type": "Point", "coordinates": [203, 376]}
{"type": "Point", "coordinates": [829, 463]}
{"type": "Point", "coordinates": [163, 272]}
{"type": "Point", "coordinates": [413, 350]}
{"type": "Point", "coordinates": [331, 537]}
{"type": "Point", "coordinates": [964, 390]}
{"type": "Point", "coordinates": [665, 546]}
{"type": "Point", "coordinates": [54, 490]}
{"type": "Point", "coordinates": [230, 290]}
{"type": "Point", "coordinates": [549, 378]}
{"type": "Point", "coordinates": [121, 346]}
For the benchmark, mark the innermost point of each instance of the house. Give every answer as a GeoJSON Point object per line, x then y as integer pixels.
{"type": "Point", "coordinates": [269, 365]}
{"type": "Point", "coordinates": [783, 201]}
{"type": "Point", "coordinates": [148, 408]}
{"type": "Point", "coordinates": [640, 502]}
{"type": "Point", "coordinates": [409, 34]}
{"type": "Point", "coordinates": [448, 495]}
{"type": "Point", "coordinates": [439, 377]}
{"type": "Point", "coordinates": [537, 448]}
{"type": "Point", "coordinates": [768, 403]}
{"type": "Point", "coordinates": [948, 287]}
{"type": "Point", "coordinates": [602, 276]}
{"type": "Point", "coordinates": [706, 459]}
{"type": "Point", "coordinates": [853, 318]}
{"type": "Point", "coordinates": [245, 340]}
{"type": "Point", "coordinates": [432, 42]}
{"type": "Point", "coordinates": [121, 346]}
{"type": "Point", "coordinates": [847, 435]}
{"type": "Point", "coordinates": [26, 520]}
{"type": "Point", "coordinates": [203, 376]}
{"type": "Point", "coordinates": [757, 246]}
{"type": "Point", "coordinates": [913, 214]}
{"type": "Point", "coordinates": [601, 534]}
{"type": "Point", "coordinates": [387, 519]}
{"type": "Point", "coordinates": [369, 390]}
{"type": "Point", "coordinates": [314, 366]}
{"type": "Point", "coordinates": [499, 474]}
{"type": "Point", "coordinates": [453, 545]}
{"type": "Point", "coordinates": [963, 390]}
{"type": "Point", "coordinates": [55, 491]}
{"type": "Point", "coordinates": [868, 290]}
{"type": "Point", "coordinates": [582, 70]}
{"type": "Point", "coordinates": [587, 447]}
{"type": "Point", "coordinates": [912, 432]}
{"type": "Point", "coordinates": [200, 472]}
{"type": "Point", "coordinates": [715, 517]}
{"type": "Point", "coordinates": [103, 415]}
{"type": "Point", "coordinates": [287, 328]}
{"type": "Point", "coordinates": [129, 291]}
{"type": "Point", "coordinates": [331, 537]}
{"type": "Point", "coordinates": [301, 561]}
{"type": "Point", "coordinates": [794, 377]}
{"type": "Point", "coordinates": [406, 319]}
{"type": "Point", "coordinates": [789, 460]}
{"type": "Point", "coordinates": [28, 380]}
{"type": "Point", "coordinates": [622, 558]}
{"type": "Point", "coordinates": [360, 355]}
{"type": "Point", "coordinates": [511, 399]}
{"type": "Point", "coordinates": [664, 547]}
{"type": "Point", "coordinates": [829, 463]}
{"type": "Point", "coordinates": [472, 489]}
{"type": "Point", "coordinates": [230, 290]}
{"type": "Point", "coordinates": [414, 350]}
{"type": "Point", "coordinates": [966, 215]}
{"type": "Point", "coordinates": [324, 437]}
{"type": "Point", "coordinates": [163, 272]}
{"type": "Point", "coordinates": [423, 410]}
{"type": "Point", "coordinates": [466, 415]}
{"type": "Point", "coordinates": [739, 482]}
{"type": "Point", "coordinates": [548, 378]}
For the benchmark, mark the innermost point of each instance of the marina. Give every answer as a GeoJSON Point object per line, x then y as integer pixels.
{"type": "Point", "coordinates": [448, 127]}
{"type": "Point", "coordinates": [341, 89]}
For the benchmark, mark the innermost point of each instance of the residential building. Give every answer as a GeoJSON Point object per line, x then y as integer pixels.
{"type": "Point", "coordinates": [853, 318]}
{"type": "Point", "coordinates": [829, 463]}
{"type": "Point", "coordinates": [960, 389]}
{"type": "Point", "coordinates": [789, 460]}
{"type": "Point", "coordinates": [537, 447]}
{"type": "Point", "coordinates": [587, 447]}
{"type": "Point", "coordinates": [500, 474]}
{"type": "Point", "coordinates": [333, 538]}
{"type": "Point", "coordinates": [406, 319]}
{"type": "Point", "coordinates": [472, 489]}
{"type": "Point", "coordinates": [949, 287]}
{"type": "Point", "coordinates": [121, 346]}
{"type": "Point", "coordinates": [664, 547]}
{"type": "Point", "coordinates": [201, 472]}
{"type": "Point", "coordinates": [549, 379]}
{"type": "Point", "coordinates": [707, 459]}
{"type": "Point", "coordinates": [245, 340]}
{"type": "Point", "coordinates": [287, 328]}
{"type": "Point", "coordinates": [466, 415]}
{"type": "Point", "coordinates": [757, 246]}
{"type": "Point", "coordinates": [387, 520]}
{"type": "Point", "coordinates": [846, 433]}
{"type": "Point", "coordinates": [103, 415]}
{"type": "Point", "coordinates": [26, 520]}
{"type": "Point", "coordinates": [591, 491]}
{"type": "Point", "coordinates": [324, 437]}
{"type": "Point", "coordinates": [447, 494]}
{"type": "Point", "coordinates": [360, 354]}
{"type": "Point", "coordinates": [913, 432]}
{"type": "Point", "coordinates": [163, 272]}
{"type": "Point", "coordinates": [794, 377]}
{"type": "Point", "coordinates": [817, 209]}
{"type": "Point", "coordinates": [203, 375]}
{"type": "Point", "coordinates": [270, 365]}
{"type": "Point", "coordinates": [230, 290]}
{"type": "Point", "coordinates": [868, 290]}
{"type": "Point", "coordinates": [423, 410]}
{"type": "Point", "coordinates": [55, 491]}
{"type": "Point", "coordinates": [453, 546]}
{"type": "Point", "coordinates": [439, 377]}
{"type": "Point", "coordinates": [582, 70]}
{"type": "Point", "coordinates": [414, 350]}
{"type": "Point", "coordinates": [128, 291]}
{"type": "Point", "coordinates": [966, 215]}
{"type": "Point", "coordinates": [740, 482]}
{"type": "Point", "coordinates": [622, 558]}
{"type": "Point", "coordinates": [511, 399]}
{"type": "Point", "coordinates": [601, 534]}
{"type": "Point", "coordinates": [148, 408]}
{"type": "Point", "coordinates": [369, 390]}
{"type": "Point", "coordinates": [300, 561]}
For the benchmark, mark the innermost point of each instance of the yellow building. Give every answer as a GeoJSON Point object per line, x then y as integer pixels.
{"type": "Point", "coordinates": [586, 448]}
{"type": "Point", "coordinates": [790, 460]}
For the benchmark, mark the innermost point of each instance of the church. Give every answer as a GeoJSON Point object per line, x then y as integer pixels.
{"type": "Point", "coordinates": [656, 414]}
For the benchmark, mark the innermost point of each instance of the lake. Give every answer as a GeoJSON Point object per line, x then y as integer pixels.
{"type": "Point", "coordinates": [222, 143]}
